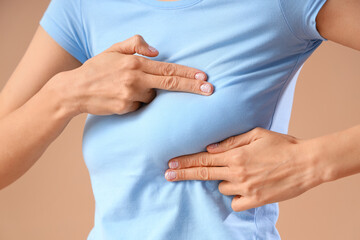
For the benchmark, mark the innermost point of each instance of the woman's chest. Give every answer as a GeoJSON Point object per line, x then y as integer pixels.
{"type": "Point", "coordinates": [244, 55]}
{"type": "Point", "coordinates": [211, 34]}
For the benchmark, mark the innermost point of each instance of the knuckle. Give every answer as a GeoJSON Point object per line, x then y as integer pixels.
{"type": "Point", "coordinates": [132, 63]}
{"type": "Point", "coordinates": [189, 162]}
{"type": "Point", "coordinates": [231, 141]}
{"type": "Point", "coordinates": [237, 157]}
{"type": "Point", "coordinates": [170, 83]}
{"type": "Point", "coordinates": [257, 196]}
{"type": "Point", "coordinates": [127, 94]}
{"type": "Point", "coordinates": [234, 159]}
{"type": "Point", "coordinates": [134, 106]}
{"type": "Point", "coordinates": [127, 76]}
{"type": "Point", "coordinates": [203, 173]}
{"type": "Point", "coordinates": [248, 189]}
{"type": "Point", "coordinates": [222, 188]}
{"type": "Point", "coordinates": [187, 73]}
{"type": "Point", "coordinates": [151, 93]}
{"type": "Point", "coordinates": [168, 69]}
{"type": "Point", "coordinates": [203, 161]}
{"type": "Point", "coordinates": [195, 86]}
{"type": "Point", "coordinates": [180, 174]}
{"type": "Point", "coordinates": [186, 162]}
{"type": "Point", "coordinates": [257, 130]}
{"type": "Point", "coordinates": [138, 38]}
{"type": "Point", "coordinates": [242, 178]}
{"type": "Point", "coordinates": [120, 107]}
{"type": "Point", "coordinates": [240, 175]}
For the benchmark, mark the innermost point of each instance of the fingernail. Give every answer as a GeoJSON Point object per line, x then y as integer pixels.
{"type": "Point", "coordinates": [205, 88]}
{"type": "Point", "coordinates": [200, 76]}
{"type": "Point", "coordinates": [214, 145]}
{"type": "Point", "coordinates": [170, 175]}
{"type": "Point", "coordinates": [152, 49]}
{"type": "Point", "coordinates": [173, 164]}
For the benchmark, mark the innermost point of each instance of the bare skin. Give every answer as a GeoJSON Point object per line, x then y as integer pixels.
{"type": "Point", "coordinates": [261, 166]}
{"type": "Point", "coordinates": [49, 87]}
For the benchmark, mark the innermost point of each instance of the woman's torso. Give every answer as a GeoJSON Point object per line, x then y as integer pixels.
{"type": "Point", "coordinates": [250, 56]}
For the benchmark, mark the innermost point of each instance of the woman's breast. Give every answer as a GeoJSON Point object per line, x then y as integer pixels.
{"type": "Point", "coordinates": [248, 65]}
{"type": "Point", "coordinates": [174, 124]}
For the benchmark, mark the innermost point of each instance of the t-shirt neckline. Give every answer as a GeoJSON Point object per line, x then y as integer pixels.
{"type": "Point", "coordinates": [170, 4]}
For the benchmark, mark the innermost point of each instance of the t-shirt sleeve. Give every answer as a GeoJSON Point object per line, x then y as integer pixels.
{"type": "Point", "coordinates": [301, 17]}
{"type": "Point", "coordinates": [62, 20]}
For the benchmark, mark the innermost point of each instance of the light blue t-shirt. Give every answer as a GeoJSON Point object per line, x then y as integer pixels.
{"type": "Point", "coordinates": [252, 51]}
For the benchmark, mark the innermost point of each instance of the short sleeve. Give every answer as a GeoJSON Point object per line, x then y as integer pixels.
{"type": "Point", "coordinates": [62, 20]}
{"type": "Point", "coordinates": [301, 17]}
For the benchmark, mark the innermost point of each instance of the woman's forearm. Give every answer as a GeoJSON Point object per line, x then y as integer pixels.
{"type": "Point", "coordinates": [337, 155]}
{"type": "Point", "coordinates": [29, 130]}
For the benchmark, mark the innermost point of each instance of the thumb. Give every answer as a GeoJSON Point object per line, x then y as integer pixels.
{"type": "Point", "coordinates": [235, 141]}
{"type": "Point", "coordinates": [135, 44]}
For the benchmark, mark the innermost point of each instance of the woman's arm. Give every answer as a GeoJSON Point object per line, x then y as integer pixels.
{"type": "Point", "coordinates": [336, 155]}
{"type": "Point", "coordinates": [339, 21]}
{"type": "Point", "coordinates": [31, 119]}
{"type": "Point", "coordinates": [43, 59]}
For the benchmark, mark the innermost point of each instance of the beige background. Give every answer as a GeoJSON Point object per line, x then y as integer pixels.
{"type": "Point", "coordinates": [53, 200]}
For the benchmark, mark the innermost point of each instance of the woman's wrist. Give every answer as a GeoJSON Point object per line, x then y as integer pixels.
{"type": "Point", "coordinates": [314, 154]}
{"type": "Point", "coordinates": [62, 95]}
{"type": "Point", "coordinates": [335, 155]}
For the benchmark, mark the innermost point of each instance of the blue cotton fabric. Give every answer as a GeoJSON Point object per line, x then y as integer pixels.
{"type": "Point", "coordinates": [252, 51]}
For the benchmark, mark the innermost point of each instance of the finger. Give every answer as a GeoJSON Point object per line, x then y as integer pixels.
{"type": "Point", "coordinates": [241, 203]}
{"type": "Point", "coordinates": [134, 106]}
{"type": "Point", "coordinates": [198, 173]}
{"type": "Point", "coordinates": [236, 141]}
{"type": "Point", "coordinates": [147, 96]}
{"type": "Point", "coordinates": [132, 45]}
{"type": "Point", "coordinates": [202, 159]}
{"type": "Point", "coordinates": [170, 69]}
{"type": "Point", "coordinates": [228, 188]}
{"type": "Point", "coordinates": [178, 84]}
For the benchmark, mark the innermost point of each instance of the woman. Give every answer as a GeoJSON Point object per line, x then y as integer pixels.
{"type": "Point", "coordinates": [251, 52]}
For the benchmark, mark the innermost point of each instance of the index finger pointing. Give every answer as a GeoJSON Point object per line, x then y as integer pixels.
{"type": "Point", "coordinates": [171, 69]}
{"type": "Point", "coordinates": [176, 83]}
{"type": "Point", "coordinates": [203, 159]}
{"type": "Point", "coordinates": [198, 173]}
